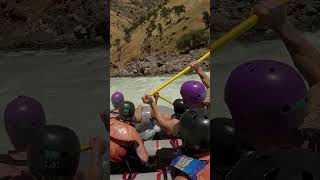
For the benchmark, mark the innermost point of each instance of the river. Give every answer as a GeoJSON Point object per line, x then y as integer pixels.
{"type": "Point", "coordinates": [71, 86]}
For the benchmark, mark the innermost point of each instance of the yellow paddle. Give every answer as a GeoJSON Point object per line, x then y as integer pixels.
{"type": "Point", "coordinates": [178, 75]}
{"type": "Point", "coordinates": [85, 147]}
{"type": "Point", "coordinates": [218, 44]}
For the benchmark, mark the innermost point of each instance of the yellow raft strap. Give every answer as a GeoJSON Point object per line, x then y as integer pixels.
{"type": "Point", "coordinates": [163, 98]}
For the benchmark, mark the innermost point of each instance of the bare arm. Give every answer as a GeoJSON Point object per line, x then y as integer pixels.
{"type": "Point", "coordinates": [204, 78]}
{"type": "Point", "coordinates": [156, 97]}
{"type": "Point", "coordinates": [304, 55]}
{"type": "Point", "coordinates": [138, 114]}
{"type": "Point", "coordinates": [164, 121]}
{"type": "Point", "coordinates": [141, 149]}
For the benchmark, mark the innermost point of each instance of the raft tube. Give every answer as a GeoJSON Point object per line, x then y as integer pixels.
{"type": "Point", "coordinates": [154, 145]}
{"type": "Point", "coordinates": [146, 123]}
{"type": "Point", "coordinates": [142, 176]}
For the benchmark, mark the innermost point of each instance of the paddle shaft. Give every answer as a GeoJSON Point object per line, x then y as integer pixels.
{"type": "Point", "coordinates": [217, 45]}
{"type": "Point", "coordinates": [178, 75]}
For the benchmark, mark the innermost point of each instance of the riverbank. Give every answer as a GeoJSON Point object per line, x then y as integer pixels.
{"type": "Point", "coordinates": [35, 24]}
{"type": "Point", "coordinates": [158, 65]}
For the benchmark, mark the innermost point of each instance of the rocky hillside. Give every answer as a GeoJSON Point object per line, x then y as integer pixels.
{"type": "Point", "coordinates": [225, 14]}
{"type": "Point", "coordinates": [52, 23]}
{"type": "Point", "coordinates": [157, 32]}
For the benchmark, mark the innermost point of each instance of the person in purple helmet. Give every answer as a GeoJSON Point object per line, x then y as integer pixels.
{"type": "Point", "coordinates": [21, 116]}
{"type": "Point", "coordinates": [269, 100]}
{"type": "Point", "coordinates": [117, 99]}
{"type": "Point", "coordinates": [205, 79]}
{"type": "Point", "coordinates": [195, 95]}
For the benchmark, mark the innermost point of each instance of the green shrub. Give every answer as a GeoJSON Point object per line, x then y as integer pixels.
{"type": "Point", "coordinates": [127, 38]}
{"type": "Point", "coordinates": [152, 26]}
{"type": "Point", "coordinates": [117, 42]}
{"type": "Point", "coordinates": [165, 12]}
{"type": "Point", "coordinates": [192, 40]}
{"type": "Point", "coordinates": [184, 28]}
{"type": "Point", "coordinates": [179, 9]}
{"type": "Point", "coordinates": [159, 26]}
{"type": "Point", "coordinates": [206, 19]}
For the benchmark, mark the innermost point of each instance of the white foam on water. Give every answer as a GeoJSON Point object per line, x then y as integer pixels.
{"type": "Point", "coordinates": [136, 87]}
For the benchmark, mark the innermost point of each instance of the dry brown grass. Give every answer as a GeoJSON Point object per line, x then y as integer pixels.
{"type": "Point", "coordinates": [194, 10]}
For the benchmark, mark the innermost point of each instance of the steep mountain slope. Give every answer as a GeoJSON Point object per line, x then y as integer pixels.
{"type": "Point", "coordinates": [156, 27]}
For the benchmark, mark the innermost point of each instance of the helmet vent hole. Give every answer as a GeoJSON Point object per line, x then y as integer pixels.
{"type": "Point", "coordinates": [199, 95]}
{"type": "Point", "coordinates": [194, 116]}
{"type": "Point", "coordinates": [263, 157]}
{"type": "Point", "coordinates": [306, 99]}
{"type": "Point", "coordinates": [251, 70]}
{"type": "Point", "coordinates": [305, 175]}
{"type": "Point", "coordinates": [272, 175]}
{"type": "Point", "coordinates": [271, 69]}
{"type": "Point", "coordinates": [206, 117]}
{"type": "Point", "coordinates": [286, 108]}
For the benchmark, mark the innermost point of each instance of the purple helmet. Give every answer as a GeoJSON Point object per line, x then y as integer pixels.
{"type": "Point", "coordinates": [117, 98]}
{"type": "Point", "coordinates": [265, 97]}
{"type": "Point", "coordinates": [193, 93]}
{"type": "Point", "coordinates": [21, 116]}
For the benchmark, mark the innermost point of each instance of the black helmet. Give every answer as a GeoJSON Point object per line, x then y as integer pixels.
{"type": "Point", "coordinates": [126, 111]}
{"type": "Point", "coordinates": [179, 107]}
{"type": "Point", "coordinates": [278, 164]}
{"type": "Point", "coordinates": [194, 130]}
{"type": "Point", "coordinates": [225, 144]}
{"type": "Point", "coordinates": [54, 151]}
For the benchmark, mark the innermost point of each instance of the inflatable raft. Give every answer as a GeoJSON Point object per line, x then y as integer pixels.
{"type": "Point", "coordinates": [153, 146]}
{"type": "Point", "coordinates": [146, 122]}
{"type": "Point", "coordinates": [143, 176]}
